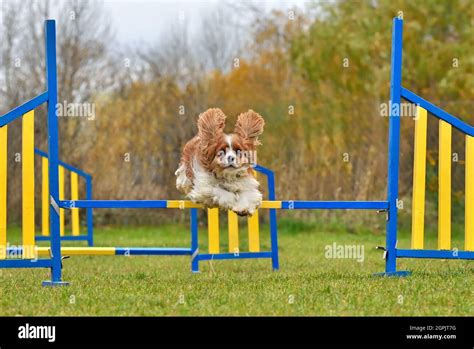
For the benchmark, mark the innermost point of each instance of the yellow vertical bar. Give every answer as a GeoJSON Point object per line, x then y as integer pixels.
{"type": "Point", "coordinates": [44, 197]}
{"type": "Point", "coordinates": [3, 191]}
{"type": "Point", "coordinates": [469, 205]}
{"type": "Point", "coordinates": [444, 179]}
{"type": "Point", "coordinates": [61, 197]}
{"type": "Point", "coordinates": [28, 184]}
{"type": "Point", "coordinates": [213, 229]}
{"type": "Point", "coordinates": [254, 233]}
{"type": "Point", "coordinates": [75, 196]}
{"type": "Point", "coordinates": [233, 232]}
{"type": "Point", "coordinates": [419, 180]}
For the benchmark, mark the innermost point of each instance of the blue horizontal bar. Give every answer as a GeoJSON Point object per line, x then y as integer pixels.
{"type": "Point", "coordinates": [347, 205]}
{"type": "Point", "coordinates": [443, 254]}
{"type": "Point", "coordinates": [26, 263]}
{"type": "Point", "coordinates": [438, 112]}
{"type": "Point", "coordinates": [23, 109]}
{"type": "Point", "coordinates": [64, 164]}
{"type": "Point", "coordinates": [65, 238]}
{"type": "Point", "coordinates": [241, 255]}
{"type": "Point", "coordinates": [286, 205]}
{"type": "Point", "coordinates": [153, 251]}
{"type": "Point", "coordinates": [113, 204]}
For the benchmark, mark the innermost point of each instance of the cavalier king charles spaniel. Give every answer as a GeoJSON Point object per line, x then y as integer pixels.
{"type": "Point", "coordinates": [216, 168]}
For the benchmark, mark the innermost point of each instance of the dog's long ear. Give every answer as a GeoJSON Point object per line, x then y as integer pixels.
{"type": "Point", "coordinates": [249, 126]}
{"type": "Point", "coordinates": [210, 128]}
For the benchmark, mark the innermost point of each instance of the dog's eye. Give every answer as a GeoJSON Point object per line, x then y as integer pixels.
{"type": "Point", "coordinates": [220, 153]}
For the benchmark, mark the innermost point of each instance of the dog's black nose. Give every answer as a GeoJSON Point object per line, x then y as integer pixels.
{"type": "Point", "coordinates": [231, 158]}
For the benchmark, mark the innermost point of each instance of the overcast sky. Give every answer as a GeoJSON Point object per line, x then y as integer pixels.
{"type": "Point", "coordinates": [147, 20]}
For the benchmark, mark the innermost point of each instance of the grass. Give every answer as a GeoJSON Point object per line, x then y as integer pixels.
{"type": "Point", "coordinates": [307, 284]}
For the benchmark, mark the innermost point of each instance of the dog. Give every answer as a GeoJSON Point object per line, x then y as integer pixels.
{"type": "Point", "coordinates": [216, 168]}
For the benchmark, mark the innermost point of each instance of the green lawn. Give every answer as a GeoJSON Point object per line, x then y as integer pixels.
{"type": "Point", "coordinates": [308, 283]}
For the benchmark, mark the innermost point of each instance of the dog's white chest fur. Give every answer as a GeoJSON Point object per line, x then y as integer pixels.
{"type": "Point", "coordinates": [233, 190]}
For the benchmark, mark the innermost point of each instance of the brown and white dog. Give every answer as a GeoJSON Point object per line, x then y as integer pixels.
{"type": "Point", "coordinates": [216, 168]}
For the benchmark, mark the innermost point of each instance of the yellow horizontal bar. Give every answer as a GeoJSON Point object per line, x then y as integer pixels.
{"type": "Point", "coordinates": [77, 251]}
{"type": "Point", "coordinates": [270, 204]}
{"type": "Point", "coordinates": [182, 204]}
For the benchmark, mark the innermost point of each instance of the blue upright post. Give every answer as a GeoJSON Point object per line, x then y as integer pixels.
{"type": "Point", "coordinates": [394, 151]}
{"type": "Point", "coordinates": [273, 222]}
{"type": "Point", "coordinates": [90, 215]}
{"type": "Point", "coordinates": [194, 241]}
{"type": "Point", "coordinates": [53, 147]}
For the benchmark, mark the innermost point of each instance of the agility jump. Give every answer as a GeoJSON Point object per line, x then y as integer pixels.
{"type": "Point", "coordinates": [392, 252]}
{"type": "Point", "coordinates": [75, 175]}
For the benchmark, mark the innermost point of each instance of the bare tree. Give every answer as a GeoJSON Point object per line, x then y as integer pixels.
{"type": "Point", "coordinates": [85, 68]}
{"type": "Point", "coordinates": [12, 88]}
{"type": "Point", "coordinates": [221, 39]}
{"type": "Point", "coordinates": [172, 57]}
{"type": "Point", "coordinates": [83, 45]}
{"type": "Point", "coordinates": [83, 38]}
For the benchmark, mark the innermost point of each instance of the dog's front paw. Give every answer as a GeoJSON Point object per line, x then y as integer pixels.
{"type": "Point", "coordinates": [243, 213]}
{"type": "Point", "coordinates": [247, 204]}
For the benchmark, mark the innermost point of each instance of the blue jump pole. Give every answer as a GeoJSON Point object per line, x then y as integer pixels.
{"type": "Point", "coordinates": [194, 241]}
{"type": "Point", "coordinates": [394, 152]}
{"type": "Point", "coordinates": [89, 212]}
{"type": "Point", "coordinates": [273, 222]}
{"type": "Point", "coordinates": [53, 150]}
